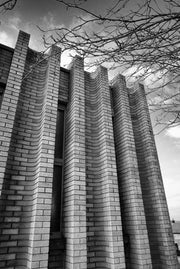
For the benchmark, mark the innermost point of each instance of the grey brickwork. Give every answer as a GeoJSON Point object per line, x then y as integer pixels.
{"type": "Point", "coordinates": [155, 205]}
{"type": "Point", "coordinates": [114, 211]}
{"type": "Point", "coordinates": [104, 228]}
{"type": "Point", "coordinates": [6, 55]}
{"type": "Point", "coordinates": [133, 216]}
{"type": "Point", "coordinates": [75, 174]}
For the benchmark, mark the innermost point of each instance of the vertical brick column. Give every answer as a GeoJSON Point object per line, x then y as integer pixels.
{"type": "Point", "coordinates": [133, 216]}
{"type": "Point", "coordinates": [157, 216]}
{"type": "Point", "coordinates": [43, 185]}
{"type": "Point", "coordinates": [10, 99]}
{"type": "Point", "coordinates": [104, 227]}
{"type": "Point", "coordinates": [75, 176]}
{"type": "Point", "coordinates": [111, 229]}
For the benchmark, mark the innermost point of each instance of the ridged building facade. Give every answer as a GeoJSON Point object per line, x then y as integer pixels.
{"type": "Point", "coordinates": [80, 182]}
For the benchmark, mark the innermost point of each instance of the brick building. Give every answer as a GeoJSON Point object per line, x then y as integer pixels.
{"type": "Point", "coordinates": [80, 181]}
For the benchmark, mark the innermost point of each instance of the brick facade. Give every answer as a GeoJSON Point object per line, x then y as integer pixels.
{"type": "Point", "coordinates": [114, 212]}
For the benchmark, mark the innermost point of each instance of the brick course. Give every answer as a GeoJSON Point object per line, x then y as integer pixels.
{"type": "Point", "coordinates": [114, 210]}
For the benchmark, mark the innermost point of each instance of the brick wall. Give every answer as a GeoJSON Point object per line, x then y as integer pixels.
{"type": "Point", "coordinates": [27, 181]}
{"type": "Point", "coordinates": [103, 208]}
{"type": "Point", "coordinates": [21, 171]}
{"type": "Point", "coordinates": [74, 174]}
{"type": "Point", "coordinates": [155, 205]}
{"type": "Point", "coordinates": [43, 191]}
{"type": "Point", "coordinates": [6, 55]}
{"type": "Point", "coordinates": [134, 223]}
{"type": "Point", "coordinates": [114, 209]}
{"type": "Point", "coordinates": [11, 96]}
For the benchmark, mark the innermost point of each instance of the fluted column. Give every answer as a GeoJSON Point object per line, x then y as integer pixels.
{"type": "Point", "coordinates": [43, 185]}
{"type": "Point", "coordinates": [109, 205]}
{"type": "Point", "coordinates": [133, 217]}
{"type": "Point", "coordinates": [74, 172]}
{"type": "Point", "coordinates": [10, 99]}
{"type": "Point", "coordinates": [156, 210]}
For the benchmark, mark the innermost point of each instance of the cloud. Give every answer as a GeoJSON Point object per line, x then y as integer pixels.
{"type": "Point", "coordinates": [66, 58]}
{"type": "Point", "coordinates": [174, 132]}
{"type": "Point", "coordinates": [48, 22]}
{"type": "Point", "coordinates": [15, 23]}
{"type": "Point", "coordinates": [172, 186]}
{"type": "Point", "coordinates": [6, 39]}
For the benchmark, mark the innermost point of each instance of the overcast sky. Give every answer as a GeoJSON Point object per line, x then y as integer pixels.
{"type": "Point", "coordinates": [49, 14]}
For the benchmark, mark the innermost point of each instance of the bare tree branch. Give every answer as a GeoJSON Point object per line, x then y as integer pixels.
{"type": "Point", "coordinates": [145, 36]}
{"type": "Point", "coordinates": [7, 5]}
